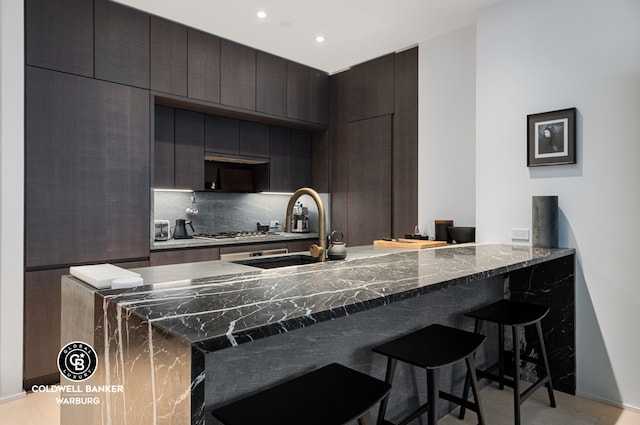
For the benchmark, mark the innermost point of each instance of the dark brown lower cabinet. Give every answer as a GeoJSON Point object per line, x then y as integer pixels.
{"type": "Point", "coordinates": [183, 255]}
{"type": "Point", "coordinates": [300, 246]}
{"type": "Point", "coordinates": [42, 324]}
{"type": "Point", "coordinates": [232, 249]}
{"type": "Point", "coordinates": [369, 180]}
{"type": "Point", "coordinates": [291, 246]}
{"type": "Point", "coordinates": [192, 255]}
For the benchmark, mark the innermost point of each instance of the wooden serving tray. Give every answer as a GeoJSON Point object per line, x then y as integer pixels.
{"type": "Point", "coordinates": [408, 243]}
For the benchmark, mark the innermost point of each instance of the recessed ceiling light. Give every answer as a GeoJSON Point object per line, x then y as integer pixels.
{"type": "Point", "coordinates": [320, 39]}
{"type": "Point", "coordinates": [261, 14]}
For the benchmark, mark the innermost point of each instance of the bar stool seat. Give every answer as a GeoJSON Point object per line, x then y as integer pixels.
{"type": "Point", "coordinates": [510, 313]}
{"type": "Point", "coordinates": [331, 395]}
{"type": "Point", "coordinates": [432, 348]}
{"type": "Point", "coordinates": [517, 315]}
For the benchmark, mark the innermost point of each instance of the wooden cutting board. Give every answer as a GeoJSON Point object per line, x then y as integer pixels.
{"type": "Point", "coordinates": [408, 243]}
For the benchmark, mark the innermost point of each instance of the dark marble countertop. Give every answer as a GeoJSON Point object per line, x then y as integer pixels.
{"type": "Point", "coordinates": [224, 310]}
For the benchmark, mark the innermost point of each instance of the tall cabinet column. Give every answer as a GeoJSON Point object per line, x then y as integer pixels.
{"type": "Point", "coordinates": [374, 148]}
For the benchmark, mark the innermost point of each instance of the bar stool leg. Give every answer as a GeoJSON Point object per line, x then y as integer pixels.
{"type": "Point", "coordinates": [516, 374]}
{"type": "Point", "coordinates": [501, 356]}
{"type": "Point", "coordinates": [471, 372]}
{"type": "Point", "coordinates": [391, 370]}
{"type": "Point", "coordinates": [465, 393]}
{"type": "Point", "coordinates": [543, 350]}
{"type": "Point", "coordinates": [433, 385]}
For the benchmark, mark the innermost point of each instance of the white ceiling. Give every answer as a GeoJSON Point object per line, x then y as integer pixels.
{"type": "Point", "coordinates": [355, 30]}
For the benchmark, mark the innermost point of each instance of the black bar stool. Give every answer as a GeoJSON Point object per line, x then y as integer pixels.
{"type": "Point", "coordinates": [517, 315]}
{"type": "Point", "coordinates": [432, 348]}
{"type": "Point", "coordinates": [331, 395]}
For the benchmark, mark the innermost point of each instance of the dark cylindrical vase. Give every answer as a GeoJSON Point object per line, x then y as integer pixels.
{"type": "Point", "coordinates": [545, 221]}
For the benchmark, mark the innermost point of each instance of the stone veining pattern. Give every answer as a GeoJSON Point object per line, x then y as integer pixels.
{"type": "Point", "coordinates": [164, 342]}
{"type": "Point", "coordinates": [219, 312]}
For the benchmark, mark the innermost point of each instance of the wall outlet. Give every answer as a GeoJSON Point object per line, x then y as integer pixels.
{"type": "Point", "coordinates": [520, 234]}
{"type": "Point", "coordinates": [274, 223]}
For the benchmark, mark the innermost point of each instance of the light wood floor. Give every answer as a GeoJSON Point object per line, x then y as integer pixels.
{"type": "Point", "coordinates": [41, 409]}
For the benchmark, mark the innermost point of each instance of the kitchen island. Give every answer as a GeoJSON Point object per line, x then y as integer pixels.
{"type": "Point", "coordinates": [182, 344]}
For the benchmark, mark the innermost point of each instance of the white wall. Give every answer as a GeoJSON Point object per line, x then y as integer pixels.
{"type": "Point", "coordinates": [11, 196]}
{"type": "Point", "coordinates": [541, 55]}
{"type": "Point", "coordinates": [446, 129]}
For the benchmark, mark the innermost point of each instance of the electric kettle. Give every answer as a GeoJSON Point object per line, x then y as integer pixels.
{"type": "Point", "coordinates": [337, 249]}
{"type": "Point", "coordinates": [180, 231]}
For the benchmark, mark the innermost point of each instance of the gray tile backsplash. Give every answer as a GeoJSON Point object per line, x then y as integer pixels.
{"type": "Point", "coordinates": [229, 212]}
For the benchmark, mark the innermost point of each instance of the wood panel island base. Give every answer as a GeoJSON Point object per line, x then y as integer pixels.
{"type": "Point", "coordinates": [179, 348]}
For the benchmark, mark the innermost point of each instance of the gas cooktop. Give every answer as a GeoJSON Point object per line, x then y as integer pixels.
{"type": "Point", "coordinates": [235, 235]}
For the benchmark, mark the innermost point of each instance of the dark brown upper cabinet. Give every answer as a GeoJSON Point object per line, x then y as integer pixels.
{"type": "Point", "coordinates": [318, 96]}
{"type": "Point", "coordinates": [371, 89]}
{"type": "Point", "coordinates": [254, 139]}
{"type": "Point", "coordinates": [300, 159]}
{"type": "Point", "coordinates": [307, 94]}
{"type": "Point", "coordinates": [231, 138]}
{"type": "Point", "coordinates": [204, 66]}
{"type": "Point", "coordinates": [87, 170]}
{"type": "Point", "coordinates": [164, 147]}
{"type": "Point", "coordinates": [280, 176]}
{"type": "Point", "coordinates": [271, 84]}
{"type": "Point", "coordinates": [168, 57]}
{"type": "Point", "coordinates": [189, 150]}
{"type": "Point", "coordinates": [290, 165]}
{"type": "Point", "coordinates": [221, 136]}
{"type": "Point", "coordinates": [59, 35]}
{"type": "Point", "coordinates": [121, 44]}
{"type": "Point", "coordinates": [297, 91]}
{"type": "Point", "coordinates": [238, 75]}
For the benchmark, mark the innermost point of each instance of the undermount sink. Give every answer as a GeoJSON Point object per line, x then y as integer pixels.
{"type": "Point", "coordinates": [281, 261]}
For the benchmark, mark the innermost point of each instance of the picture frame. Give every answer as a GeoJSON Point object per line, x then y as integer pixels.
{"type": "Point", "coordinates": [551, 138]}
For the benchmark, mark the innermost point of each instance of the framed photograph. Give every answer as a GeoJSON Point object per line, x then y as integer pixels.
{"type": "Point", "coordinates": [551, 138]}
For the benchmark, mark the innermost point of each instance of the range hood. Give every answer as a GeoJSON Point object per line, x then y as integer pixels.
{"type": "Point", "coordinates": [236, 173]}
{"type": "Point", "coordinates": [236, 180]}
{"type": "Point", "coordinates": [236, 160]}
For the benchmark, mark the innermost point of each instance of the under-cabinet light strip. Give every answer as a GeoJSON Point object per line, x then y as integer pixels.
{"type": "Point", "coordinates": [174, 190]}
{"type": "Point", "coordinates": [277, 193]}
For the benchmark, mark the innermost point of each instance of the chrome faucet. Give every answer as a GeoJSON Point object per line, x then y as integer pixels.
{"type": "Point", "coordinates": [317, 250]}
